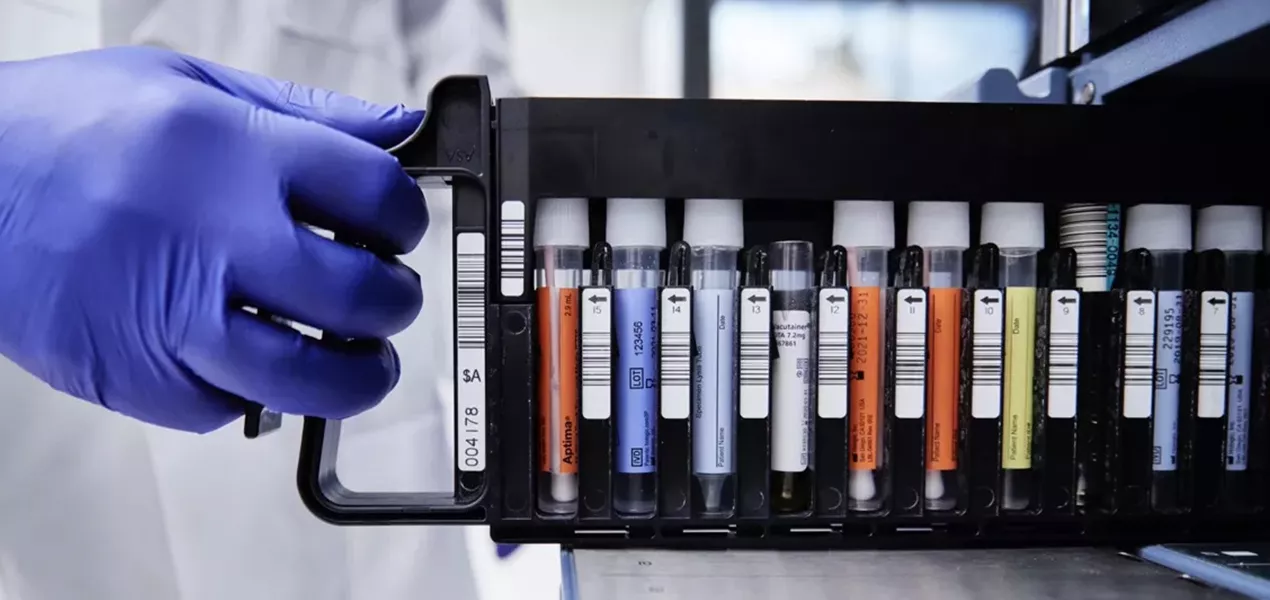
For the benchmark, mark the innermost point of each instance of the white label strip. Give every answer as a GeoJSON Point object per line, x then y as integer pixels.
{"type": "Point", "coordinates": [1214, 363]}
{"type": "Point", "coordinates": [469, 363]}
{"type": "Point", "coordinates": [1139, 354]}
{"type": "Point", "coordinates": [676, 353]}
{"type": "Point", "coordinates": [511, 248]}
{"type": "Point", "coordinates": [756, 352]}
{"type": "Point", "coordinates": [597, 353]}
{"type": "Point", "coordinates": [1064, 347]}
{"type": "Point", "coordinates": [832, 364]}
{"type": "Point", "coordinates": [987, 358]}
{"type": "Point", "coordinates": [910, 354]}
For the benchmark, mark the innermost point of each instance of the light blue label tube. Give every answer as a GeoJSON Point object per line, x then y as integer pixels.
{"type": "Point", "coordinates": [1168, 368]}
{"type": "Point", "coordinates": [636, 379]}
{"type": "Point", "coordinates": [1238, 402]}
{"type": "Point", "coordinates": [713, 335]}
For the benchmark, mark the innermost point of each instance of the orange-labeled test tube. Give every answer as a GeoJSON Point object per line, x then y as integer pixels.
{"type": "Point", "coordinates": [942, 230]}
{"type": "Point", "coordinates": [866, 228]}
{"type": "Point", "coordinates": [560, 238]}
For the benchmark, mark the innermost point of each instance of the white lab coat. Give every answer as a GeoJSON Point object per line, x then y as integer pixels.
{"type": "Point", "coordinates": [96, 507]}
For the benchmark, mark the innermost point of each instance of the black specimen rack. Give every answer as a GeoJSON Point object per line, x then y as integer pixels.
{"type": "Point", "coordinates": [788, 160]}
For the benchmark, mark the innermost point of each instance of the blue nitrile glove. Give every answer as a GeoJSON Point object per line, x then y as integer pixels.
{"type": "Point", "coordinates": [144, 194]}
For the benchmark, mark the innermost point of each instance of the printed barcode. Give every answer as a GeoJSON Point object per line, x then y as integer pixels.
{"type": "Point", "coordinates": [1212, 359]}
{"type": "Point", "coordinates": [986, 361]}
{"type": "Point", "coordinates": [1063, 352]}
{"type": "Point", "coordinates": [910, 354]}
{"type": "Point", "coordinates": [987, 351]}
{"type": "Point", "coordinates": [1214, 354]}
{"type": "Point", "coordinates": [511, 248]}
{"type": "Point", "coordinates": [597, 359]}
{"type": "Point", "coordinates": [1083, 228]}
{"type": "Point", "coordinates": [755, 352]}
{"type": "Point", "coordinates": [1139, 354]}
{"type": "Point", "coordinates": [469, 285]}
{"type": "Point", "coordinates": [1139, 359]}
{"type": "Point", "coordinates": [833, 358]}
{"type": "Point", "coordinates": [676, 358]}
{"type": "Point", "coordinates": [1064, 344]}
{"type": "Point", "coordinates": [469, 359]}
{"type": "Point", "coordinates": [910, 359]}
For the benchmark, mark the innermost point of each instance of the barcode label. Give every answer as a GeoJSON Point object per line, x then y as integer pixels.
{"type": "Point", "coordinates": [597, 353]}
{"type": "Point", "coordinates": [987, 356]}
{"type": "Point", "coordinates": [832, 354]}
{"type": "Point", "coordinates": [1214, 365]}
{"type": "Point", "coordinates": [756, 352]}
{"type": "Point", "coordinates": [511, 248]}
{"type": "Point", "coordinates": [1064, 346]}
{"type": "Point", "coordinates": [1139, 354]}
{"type": "Point", "coordinates": [469, 363]}
{"type": "Point", "coordinates": [910, 354]}
{"type": "Point", "coordinates": [676, 353]}
{"type": "Point", "coordinates": [1088, 229]}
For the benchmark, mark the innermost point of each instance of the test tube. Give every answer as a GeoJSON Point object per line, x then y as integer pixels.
{"type": "Point", "coordinates": [713, 228]}
{"type": "Point", "coordinates": [1093, 231]}
{"type": "Point", "coordinates": [1018, 230]}
{"type": "Point", "coordinates": [560, 238]}
{"type": "Point", "coordinates": [1236, 231]}
{"type": "Point", "coordinates": [866, 228]}
{"type": "Point", "coordinates": [1165, 231]}
{"type": "Point", "coordinates": [942, 230]}
{"type": "Point", "coordinates": [636, 230]}
{"type": "Point", "coordinates": [793, 296]}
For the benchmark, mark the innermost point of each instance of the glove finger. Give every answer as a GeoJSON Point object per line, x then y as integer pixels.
{"type": "Point", "coordinates": [381, 125]}
{"type": "Point", "coordinates": [331, 286]}
{"type": "Point", "coordinates": [287, 372]}
{"type": "Point", "coordinates": [343, 184]}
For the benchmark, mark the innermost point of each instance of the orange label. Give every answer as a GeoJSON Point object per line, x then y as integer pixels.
{"type": "Point", "coordinates": [866, 377]}
{"type": "Point", "coordinates": [944, 378]}
{"type": "Point", "coordinates": [558, 379]}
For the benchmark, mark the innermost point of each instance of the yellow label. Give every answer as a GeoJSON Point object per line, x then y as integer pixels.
{"type": "Point", "coordinates": [1020, 345]}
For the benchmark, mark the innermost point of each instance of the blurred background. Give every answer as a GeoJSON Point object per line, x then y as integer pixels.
{"type": "Point", "coordinates": [917, 50]}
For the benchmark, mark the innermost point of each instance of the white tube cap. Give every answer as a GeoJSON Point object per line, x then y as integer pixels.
{"type": "Point", "coordinates": [1013, 224]}
{"type": "Point", "coordinates": [561, 222]}
{"type": "Point", "coordinates": [709, 222]}
{"type": "Point", "coordinates": [1229, 229]}
{"type": "Point", "coordinates": [864, 223]}
{"type": "Point", "coordinates": [1158, 227]}
{"type": "Point", "coordinates": [636, 223]}
{"type": "Point", "coordinates": [939, 224]}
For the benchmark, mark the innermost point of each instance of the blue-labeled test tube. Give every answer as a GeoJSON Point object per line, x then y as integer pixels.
{"type": "Point", "coordinates": [713, 228]}
{"type": "Point", "coordinates": [1236, 231]}
{"type": "Point", "coordinates": [1165, 231]}
{"type": "Point", "coordinates": [636, 230]}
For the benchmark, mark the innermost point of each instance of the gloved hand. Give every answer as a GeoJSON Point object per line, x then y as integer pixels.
{"type": "Point", "coordinates": [144, 195]}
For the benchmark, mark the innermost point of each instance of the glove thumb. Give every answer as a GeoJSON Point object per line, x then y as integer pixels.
{"type": "Point", "coordinates": [383, 126]}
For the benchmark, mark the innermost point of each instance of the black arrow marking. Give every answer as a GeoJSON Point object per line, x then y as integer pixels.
{"type": "Point", "coordinates": [1140, 300]}
{"type": "Point", "coordinates": [990, 300]}
{"type": "Point", "coordinates": [757, 298]}
{"type": "Point", "coordinates": [596, 299]}
{"type": "Point", "coordinates": [1214, 301]}
{"type": "Point", "coordinates": [913, 299]}
{"type": "Point", "coordinates": [677, 299]}
{"type": "Point", "coordinates": [835, 299]}
{"type": "Point", "coordinates": [858, 375]}
{"type": "Point", "coordinates": [1066, 300]}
